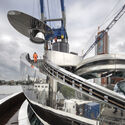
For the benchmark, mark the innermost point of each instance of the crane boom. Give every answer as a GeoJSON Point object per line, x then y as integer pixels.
{"type": "Point", "coordinates": [115, 19]}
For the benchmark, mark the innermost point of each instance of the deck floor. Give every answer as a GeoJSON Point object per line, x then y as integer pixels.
{"type": "Point", "coordinates": [13, 120]}
{"type": "Point", "coordinates": [111, 118]}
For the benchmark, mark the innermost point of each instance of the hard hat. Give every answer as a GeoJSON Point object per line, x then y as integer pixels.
{"type": "Point", "coordinates": [62, 36]}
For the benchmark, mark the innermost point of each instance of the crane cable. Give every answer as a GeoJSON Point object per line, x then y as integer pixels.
{"type": "Point", "coordinates": [105, 20]}
{"type": "Point", "coordinates": [111, 24]}
{"type": "Point", "coordinates": [108, 17]}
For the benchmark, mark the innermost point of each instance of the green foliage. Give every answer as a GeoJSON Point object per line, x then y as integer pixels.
{"type": "Point", "coordinates": [66, 91]}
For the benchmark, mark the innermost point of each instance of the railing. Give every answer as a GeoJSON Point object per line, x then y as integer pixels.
{"type": "Point", "coordinates": [84, 86]}
{"type": "Point", "coordinates": [57, 117]}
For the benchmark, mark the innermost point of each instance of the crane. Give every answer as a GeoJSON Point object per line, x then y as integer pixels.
{"type": "Point", "coordinates": [57, 32]}
{"type": "Point", "coordinates": [111, 24]}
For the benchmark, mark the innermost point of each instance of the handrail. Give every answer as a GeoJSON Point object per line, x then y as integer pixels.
{"type": "Point", "coordinates": [84, 86]}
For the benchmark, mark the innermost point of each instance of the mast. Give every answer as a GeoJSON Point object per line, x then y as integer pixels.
{"type": "Point", "coordinates": [63, 13]}
{"type": "Point", "coordinates": [42, 9]}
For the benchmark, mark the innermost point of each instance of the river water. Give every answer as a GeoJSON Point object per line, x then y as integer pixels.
{"type": "Point", "coordinates": [6, 90]}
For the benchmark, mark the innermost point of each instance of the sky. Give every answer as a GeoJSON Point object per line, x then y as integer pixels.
{"type": "Point", "coordinates": [82, 19]}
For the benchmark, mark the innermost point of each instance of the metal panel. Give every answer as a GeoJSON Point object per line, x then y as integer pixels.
{"type": "Point", "coordinates": [63, 59]}
{"type": "Point", "coordinates": [61, 47]}
{"type": "Point", "coordinates": [58, 117]}
{"type": "Point", "coordinates": [28, 25]}
{"type": "Point", "coordinates": [101, 64]}
{"type": "Point", "coordinates": [84, 86]}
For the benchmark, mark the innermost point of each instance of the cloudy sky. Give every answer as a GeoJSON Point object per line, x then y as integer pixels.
{"type": "Point", "coordinates": [83, 18]}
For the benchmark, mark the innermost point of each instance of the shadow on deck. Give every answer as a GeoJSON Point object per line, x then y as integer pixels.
{"type": "Point", "coordinates": [9, 109]}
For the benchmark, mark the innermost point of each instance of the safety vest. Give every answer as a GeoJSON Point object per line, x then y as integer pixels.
{"type": "Point", "coordinates": [35, 56]}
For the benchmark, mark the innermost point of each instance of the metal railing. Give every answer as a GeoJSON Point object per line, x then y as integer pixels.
{"type": "Point", "coordinates": [84, 86]}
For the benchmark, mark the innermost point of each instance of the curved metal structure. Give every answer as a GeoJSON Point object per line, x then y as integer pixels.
{"type": "Point", "coordinates": [89, 68]}
{"type": "Point", "coordinates": [9, 107]}
{"type": "Point", "coordinates": [52, 113]}
{"type": "Point", "coordinates": [63, 59]}
{"type": "Point", "coordinates": [20, 110]}
{"type": "Point", "coordinates": [102, 66]}
{"type": "Point", "coordinates": [84, 86]}
{"type": "Point", "coordinates": [28, 25]}
{"type": "Point", "coordinates": [23, 114]}
{"type": "Point", "coordinates": [57, 117]}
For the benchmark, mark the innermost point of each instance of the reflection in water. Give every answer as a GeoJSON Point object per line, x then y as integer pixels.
{"type": "Point", "coordinates": [3, 96]}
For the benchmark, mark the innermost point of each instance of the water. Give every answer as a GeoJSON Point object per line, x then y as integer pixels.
{"type": "Point", "coordinates": [6, 90]}
{"type": "Point", "coordinates": [3, 96]}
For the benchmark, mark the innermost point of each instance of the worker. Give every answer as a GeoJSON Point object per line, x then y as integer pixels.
{"type": "Point", "coordinates": [55, 39]}
{"type": "Point", "coordinates": [119, 88]}
{"type": "Point", "coordinates": [35, 56]}
{"type": "Point", "coordinates": [62, 37]}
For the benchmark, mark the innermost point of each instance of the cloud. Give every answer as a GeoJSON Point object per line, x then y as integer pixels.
{"type": "Point", "coordinates": [12, 43]}
{"type": "Point", "coordinates": [83, 18]}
